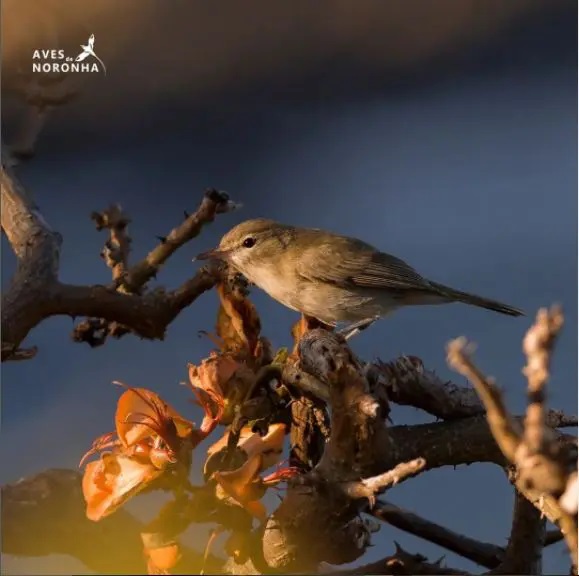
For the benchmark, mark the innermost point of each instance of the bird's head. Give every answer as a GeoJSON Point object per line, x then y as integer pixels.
{"type": "Point", "coordinates": [252, 244]}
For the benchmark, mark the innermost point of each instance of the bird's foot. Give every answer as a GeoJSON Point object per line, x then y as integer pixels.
{"type": "Point", "coordinates": [357, 327]}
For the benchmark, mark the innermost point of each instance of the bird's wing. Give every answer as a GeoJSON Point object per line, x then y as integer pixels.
{"type": "Point", "coordinates": [82, 56]}
{"type": "Point", "coordinates": [349, 263]}
{"type": "Point", "coordinates": [91, 41]}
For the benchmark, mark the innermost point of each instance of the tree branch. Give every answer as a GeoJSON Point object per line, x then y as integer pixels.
{"type": "Point", "coordinates": [319, 520]}
{"type": "Point", "coordinates": [147, 316]}
{"type": "Point", "coordinates": [214, 202]}
{"type": "Point", "coordinates": [360, 446]}
{"type": "Point", "coordinates": [401, 562]}
{"type": "Point", "coordinates": [524, 551]}
{"type": "Point", "coordinates": [488, 555]}
{"type": "Point", "coordinates": [540, 464]}
{"type": "Point", "coordinates": [95, 331]}
{"type": "Point", "coordinates": [37, 248]}
{"type": "Point", "coordinates": [409, 383]}
{"type": "Point", "coordinates": [36, 294]}
{"type": "Point", "coordinates": [116, 250]}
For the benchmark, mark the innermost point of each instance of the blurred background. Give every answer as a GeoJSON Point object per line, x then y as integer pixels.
{"type": "Point", "coordinates": [442, 131]}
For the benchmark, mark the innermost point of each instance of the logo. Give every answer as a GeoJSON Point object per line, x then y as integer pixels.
{"type": "Point", "coordinates": [56, 61]}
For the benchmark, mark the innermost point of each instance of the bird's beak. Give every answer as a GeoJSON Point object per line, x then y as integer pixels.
{"type": "Point", "coordinates": [212, 255]}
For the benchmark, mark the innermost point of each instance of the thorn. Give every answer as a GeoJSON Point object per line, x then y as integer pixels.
{"type": "Point", "coordinates": [186, 214]}
{"type": "Point", "coordinates": [439, 562]}
{"type": "Point", "coordinates": [162, 239]}
{"type": "Point", "coordinates": [399, 549]}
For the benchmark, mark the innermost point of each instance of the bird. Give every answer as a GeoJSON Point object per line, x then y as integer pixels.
{"type": "Point", "coordinates": [332, 278]}
{"type": "Point", "coordinates": [87, 51]}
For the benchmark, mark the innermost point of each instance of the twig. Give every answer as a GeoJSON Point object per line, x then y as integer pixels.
{"type": "Point", "coordinates": [95, 331]}
{"type": "Point", "coordinates": [409, 383]}
{"type": "Point", "coordinates": [369, 487]}
{"type": "Point", "coordinates": [501, 425]}
{"type": "Point", "coordinates": [524, 551]}
{"type": "Point", "coordinates": [16, 354]}
{"type": "Point", "coordinates": [401, 562]}
{"type": "Point", "coordinates": [488, 555]}
{"type": "Point", "coordinates": [538, 347]}
{"type": "Point", "coordinates": [35, 293]}
{"type": "Point", "coordinates": [147, 316]}
{"type": "Point", "coordinates": [541, 468]}
{"type": "Point", "coordinates": [214, 202]}
{"type": "Point", "coordinates": [445, 445]}
{"type": "Point", "coordinates": [116, 250]}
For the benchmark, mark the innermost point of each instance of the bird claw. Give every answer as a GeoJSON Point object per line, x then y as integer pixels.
{"type": "Point", "coordinates": [357, 327]}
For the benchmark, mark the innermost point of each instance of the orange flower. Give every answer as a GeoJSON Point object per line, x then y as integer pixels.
{"type": "Point", "coordinates": [223, 378]}
{"type": "Point", "coordinates": [244, 485]}
{"type": "Point", "coordinates": [145, 424]}
{"type": "Point", "coordinates": [213, 374]}
{"type": "Point", "coordinates": [151, 436]}
{"type": "Point", "coordinates": [247, 488]}
{"type": "Point", "coordinates": [109, 482]}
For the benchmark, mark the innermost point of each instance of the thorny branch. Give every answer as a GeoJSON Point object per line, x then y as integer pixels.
{"type": "Point", "coordinates": [485, 554]}
{"type": "Point", "coordinates": [116, 250]}
{"type": "Point", "coordinates": [402, 562]}
{"type": "Point", "coordinates": [524, 551]}
{"type": "Point", "coordinates": [131, 280]}
{"type": "Point", "coordinates": [540, 464]}
{"type": "Point", "coordinates": [35, 293]}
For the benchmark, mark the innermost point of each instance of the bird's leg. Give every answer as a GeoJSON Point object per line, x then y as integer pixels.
{"type": "Point", "coordinates": [356, 327]}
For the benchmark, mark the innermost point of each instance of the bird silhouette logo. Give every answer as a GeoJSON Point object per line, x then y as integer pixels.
{"type": "Point", "coordinates": [87, 51]}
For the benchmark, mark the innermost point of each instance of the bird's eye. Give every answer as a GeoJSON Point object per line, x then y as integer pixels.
{"type": "Point", "coordinates": [249, 242]}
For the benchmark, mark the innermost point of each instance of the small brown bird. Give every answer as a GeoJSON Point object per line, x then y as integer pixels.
{"type": "Point", "coordinates": [330, 277]}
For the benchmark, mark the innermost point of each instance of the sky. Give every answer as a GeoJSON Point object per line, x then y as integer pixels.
{"type": "Point", "coordinates": [466, 169]}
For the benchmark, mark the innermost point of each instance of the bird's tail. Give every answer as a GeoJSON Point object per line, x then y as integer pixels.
{"type": "Point", "coordinates": [466, 298]}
